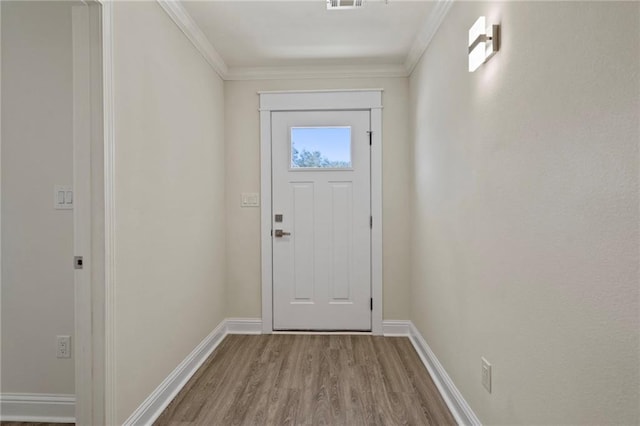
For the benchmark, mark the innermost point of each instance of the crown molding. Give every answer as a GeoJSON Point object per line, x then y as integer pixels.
{"type": "Point", "coordinates": [307, 72]}
{"type": "Point", "coordinates": [187, 25]}
{"type": "Point", "coordinates": [426, 33]}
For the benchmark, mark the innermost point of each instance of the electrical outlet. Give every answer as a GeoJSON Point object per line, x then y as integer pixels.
{"type": "Point", "coordinates": [486, 374]}
{"type": "Point", "coordinates": [63, 347]}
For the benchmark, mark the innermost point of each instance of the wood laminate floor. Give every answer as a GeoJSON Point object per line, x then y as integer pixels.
{"type": "Point", "coordinates": [35, 424]}
{"type": "Point", "coordinates": [310, 380]}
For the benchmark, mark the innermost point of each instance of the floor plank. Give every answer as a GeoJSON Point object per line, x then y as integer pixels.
{"type": "Point", "coordinates": [309, 380]}
{"type": "Point", "coordinates": [34, 424]}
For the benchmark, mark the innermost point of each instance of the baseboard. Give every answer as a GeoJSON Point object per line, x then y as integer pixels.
{"type": "Point", "coordinates": [459, 408]}
{"type": "Point", "coordinates": [244, 326]}
{"type": "Point", "coordinates": [37, 408]}
{"type": "Point", "coordinates": [391, 328]}
{"type": "Point", "coordinates": [160, 398]}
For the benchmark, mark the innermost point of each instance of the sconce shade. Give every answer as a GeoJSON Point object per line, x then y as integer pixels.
{"type": "Point", "coordinates": [479, 28]}
{"type": "Point", "coordinates": [477, 57]}
{"type": "Point", "coordinates": [482, 46]}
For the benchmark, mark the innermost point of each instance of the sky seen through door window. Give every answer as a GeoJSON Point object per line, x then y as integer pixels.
{"type": "Point", "coordinates": [321, 147]}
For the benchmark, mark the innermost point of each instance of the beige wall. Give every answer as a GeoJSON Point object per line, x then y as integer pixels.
{"type": "Point", "coordinates": [526, 211]}
{"type": "Point", "coordinates": [37, 241]}
{"type": "Point", "coordinates": [170, 243]}
{"type": "Point", "coordinates": [242, 128]}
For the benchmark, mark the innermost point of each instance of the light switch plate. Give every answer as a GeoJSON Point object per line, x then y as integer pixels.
{"type": "Point", "coordinates": [62, 197]}
{"type": "Point", "coordinates": [250, 199]}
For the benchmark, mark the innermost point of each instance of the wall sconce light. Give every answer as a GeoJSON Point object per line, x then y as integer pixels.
{"type": "Point", "coordinates": [483, 43]}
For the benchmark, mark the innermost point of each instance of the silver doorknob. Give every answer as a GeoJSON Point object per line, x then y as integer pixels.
{"type": "Point", "coordinates": [280, 233]}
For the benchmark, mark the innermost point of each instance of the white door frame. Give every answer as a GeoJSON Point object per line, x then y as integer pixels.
{"type": "Point", "coordinates": [93, 347]}
{"type": "Point", "coordinates": [82, 217]}
{"type": "Point", "coordinates": [317, 100]}
{"type": "Point", "coordinates": [94, 218]}
{"type": "Point", "coordinates": [106, 378]}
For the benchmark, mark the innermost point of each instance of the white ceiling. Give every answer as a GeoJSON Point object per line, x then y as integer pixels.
{"type": "Point", "coordinates": [275, 34]}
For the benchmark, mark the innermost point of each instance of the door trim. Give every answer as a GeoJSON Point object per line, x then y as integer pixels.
{"type": "Point", "coordinates": [318, 100]}
{"type": "Point", "coordinates": [107, 378]}
{"type": "Point", "coordinates": [93, 175]}
{"type": "Point", "coordinates": [83, 119]}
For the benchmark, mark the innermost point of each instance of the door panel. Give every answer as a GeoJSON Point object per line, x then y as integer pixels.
{"type": "Point", "coordinates": [341, 240]}
{"type": "Point", "coordinates": [303, 245]}
{"type": "Point", "coordinates": [321, 187]}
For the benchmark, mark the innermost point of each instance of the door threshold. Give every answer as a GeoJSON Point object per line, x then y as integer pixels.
{"type": "Point", "coordinates": [325, 332]}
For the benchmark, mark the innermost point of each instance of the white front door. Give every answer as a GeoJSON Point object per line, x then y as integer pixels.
{"type": "Point", "coordinates": [321, 208]}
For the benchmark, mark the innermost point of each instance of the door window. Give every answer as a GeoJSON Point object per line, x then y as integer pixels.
{"type": "Point", "coordinates": [320, 148]}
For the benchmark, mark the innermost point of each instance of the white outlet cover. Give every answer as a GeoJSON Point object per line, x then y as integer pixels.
{"type": "Point", "coordinates": [486, 374]}
{"type": "Point", "coordinates": [63, 346]}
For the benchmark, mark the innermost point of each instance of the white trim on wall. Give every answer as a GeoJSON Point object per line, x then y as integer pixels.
{"type": "Point", "coordinates": [185, 22]}
{"type": "Point", "coordinates": [1, 287]}
{"type": "Point", "coordinates": [311, 100]}
{"type": "Point", "coordinates": [243, 325]}
{"type": "Point", "coordinates": [396, 328]}
{"type": "Point", "coordinates": [265, 223]}
{"type": "Point", "coordinates": [161, 397]}
{"type": "Point", "coordinates": [153, 406]}
{"type": "Point", "coordinates": [110, 408]}
{"type": "Point", "coordinates": [316, 100]}
{"type": "Point", "coordinates": [426, 34]}
{"type": "Point", "coordinates": [376, 213]}
{"type": "Point", "coordinates": [178, 14]}
{"type": "Point", "coordinates": [95, 376]}
{"type": "Point", "coordinates": [274, 73]}
{"type": "Point", "coordinates": [456, 403]}
{"type": "Point", "coordinates": [458, 406]}
{"type": "Point", "coordinates": [37, 408]}
{"type": "Point", "coordinates": [83, 121]}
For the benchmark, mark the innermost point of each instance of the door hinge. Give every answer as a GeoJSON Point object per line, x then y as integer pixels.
{"type": "Point", "coordinates": [370, 222]}
{"type": "Point", "coordinates": [370, 137]}
{"type": "Point", "coordinates": [371, 303]}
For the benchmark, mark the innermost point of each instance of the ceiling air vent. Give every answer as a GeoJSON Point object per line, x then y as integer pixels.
{"type": "Point", "coordinates": [344, 4]}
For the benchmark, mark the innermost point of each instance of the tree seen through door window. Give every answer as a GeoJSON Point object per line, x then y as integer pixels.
{"type": "Point", "coordinates": [321, 147]}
